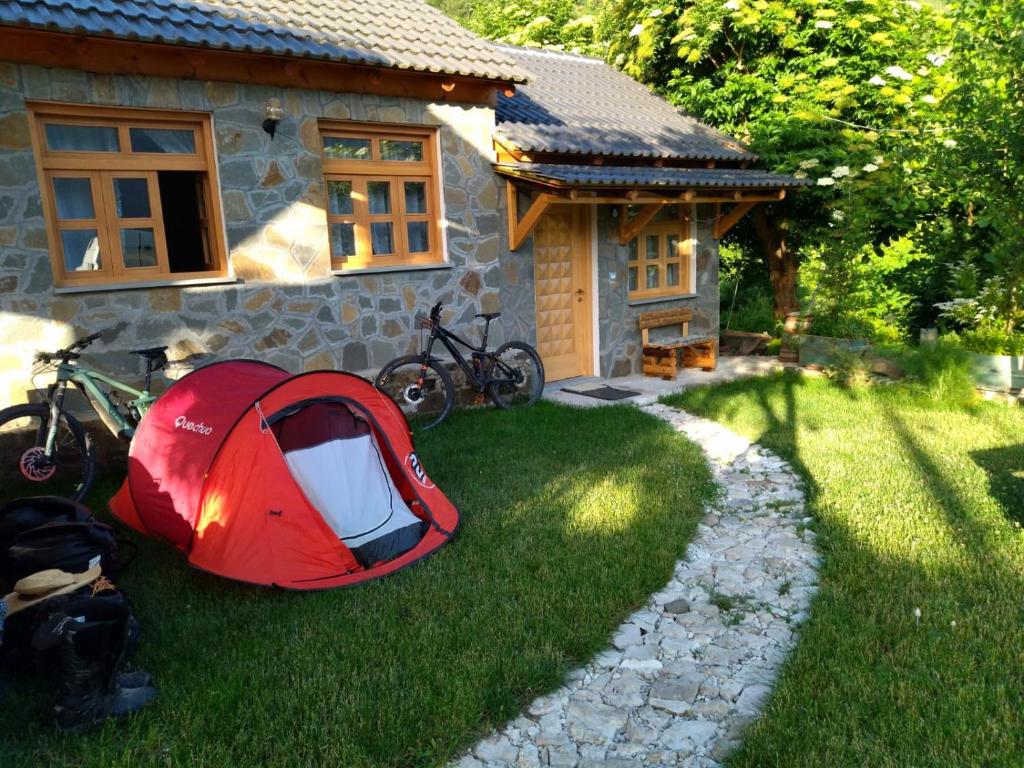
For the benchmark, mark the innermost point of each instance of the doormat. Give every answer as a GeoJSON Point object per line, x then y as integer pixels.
{"type": "Point", "coordinates": [603, 392]}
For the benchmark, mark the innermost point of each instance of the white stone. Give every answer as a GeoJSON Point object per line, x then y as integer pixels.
{"type": "Point", "coordinates": [594, 722]}
{"type": "Point", "coordinates": [496, 749]}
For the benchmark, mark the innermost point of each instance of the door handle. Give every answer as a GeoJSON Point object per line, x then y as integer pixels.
{"type": "Point", "coordinates": [579, 295]}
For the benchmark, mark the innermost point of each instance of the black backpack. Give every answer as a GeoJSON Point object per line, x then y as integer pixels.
{"type": "Point", "coordinates": [31, 512]}
{"type": "Point", "coordinates": [74, 547]}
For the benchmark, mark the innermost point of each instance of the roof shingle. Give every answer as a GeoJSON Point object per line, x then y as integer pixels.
{"type": "Point", "coordinates": [399, 34]}
{"type": "Point", "coordinates": [578, 105]}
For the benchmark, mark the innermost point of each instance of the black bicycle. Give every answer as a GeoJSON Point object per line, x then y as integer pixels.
{"type": "Point", "coordinates": [512, 375]}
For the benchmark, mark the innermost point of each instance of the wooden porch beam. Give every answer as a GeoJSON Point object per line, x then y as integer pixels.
{"type": "Point", "coordinates": [631, 228]}
{"type": "Point", "coordinates": [519, 230]}
{"type": "Point", "coordinates": [724, 223]}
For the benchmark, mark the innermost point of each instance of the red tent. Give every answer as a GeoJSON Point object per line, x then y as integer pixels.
{"type": "Point", "coordinates": [304, 482]}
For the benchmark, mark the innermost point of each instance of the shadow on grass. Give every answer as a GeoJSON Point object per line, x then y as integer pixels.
{"type": "Point", "coordinates": [1005, 470]}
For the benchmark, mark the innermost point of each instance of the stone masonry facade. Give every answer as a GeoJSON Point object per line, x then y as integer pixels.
{"type": "Point", "coordinates": [286, 307]}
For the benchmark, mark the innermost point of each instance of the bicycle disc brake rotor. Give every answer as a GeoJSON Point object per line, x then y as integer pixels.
{"type": "Point", "coordinates": [36, 466]}
{"type": "Point", "coordinates": [412, 394]}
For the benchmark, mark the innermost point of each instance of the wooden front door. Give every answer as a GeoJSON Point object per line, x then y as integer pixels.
{"type": "Point", "coordinates": [562, 281]}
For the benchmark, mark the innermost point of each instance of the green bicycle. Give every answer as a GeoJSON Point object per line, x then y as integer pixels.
{"type": "Point", "coordinates": [45, 449]}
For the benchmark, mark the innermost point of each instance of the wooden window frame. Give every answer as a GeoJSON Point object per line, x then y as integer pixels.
{"type": "Point", "coordinates": [684, 246]}
{"type": "Point", "coordinates": [103, 167]}
{"type": "Point", "coordinates": [396, 173]}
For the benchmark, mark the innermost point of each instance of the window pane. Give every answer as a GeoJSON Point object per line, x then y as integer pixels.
{"type": "Point", "coordinates": [652, 247]}
{"type": "Point", "coordinates": [379, 193]}
{"type": "Point", "coordinates": [415, 197]}
{"type": "Point", "coordinates": [673, 246]}
{"type": "Point", "coordinates": [81, 250]}
{"type": "Point", "coordinates": [339, 197]}
{"type": "Point", "coordinates": [672, 274]}
{"type": "Point", "coordinates": [632, 277]}
{"type": "Point", "coordinates": [164, 140]}
{"type": "Point", "coordinates": [652, 276]}
{"type": "Point", "coordinates": [346, 149]}
{"type": "Point", "coordinates": [380, 236]}
{"type": "Point", "coordinates": [401, 150]}
{"type": "Point", "coordinates": [138, 247]}
{"type": "Point", "coordinates": [74, 199]}
{"type": "Point", "coordinates": [419, 237]}
{"type": "Point", "coordinates": [81, 138]}
{"type": "Point", "coordinates": [131, 196]}
{"type": "Point", "coordinates": [343, 240]}
{"type": "Point", "coordinates": [633, 247]}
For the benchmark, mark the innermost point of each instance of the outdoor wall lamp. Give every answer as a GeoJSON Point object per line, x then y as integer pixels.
{"type": "Point", "coordinates": [272, 114]}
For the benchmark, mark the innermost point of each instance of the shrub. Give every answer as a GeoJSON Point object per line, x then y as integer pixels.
{"type": "Point", "coordinates": [991, 340]}
{"type": "Point", "coordinates": [942, 371]}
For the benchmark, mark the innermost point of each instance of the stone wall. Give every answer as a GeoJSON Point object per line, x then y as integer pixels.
{"type": "Point", "coordinates": [619, 347]}
{"type": "Point", "coordinates": [286, 307]}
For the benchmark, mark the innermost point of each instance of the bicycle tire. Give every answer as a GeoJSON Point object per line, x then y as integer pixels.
{"type": "Point", "coordinates": [78, 481]}
{"type": "Point", "coordinates": [421, 412]}
{"type": "Point", "coordinates": [497, 390]}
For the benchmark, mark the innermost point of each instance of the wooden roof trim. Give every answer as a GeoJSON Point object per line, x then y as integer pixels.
{"type": "Point", "coordinates": [125, 57]}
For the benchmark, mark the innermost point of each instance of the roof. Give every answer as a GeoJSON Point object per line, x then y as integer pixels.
{"type": "Point", "coordinates": [399, 34]}
{"type": "Point", "coordinates": [579, 105]}
{"type": "Point", "coordinates": [614, 176]}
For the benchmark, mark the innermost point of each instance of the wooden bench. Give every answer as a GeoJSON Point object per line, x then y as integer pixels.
{"type": "Point", "coordinates": [661, 355]}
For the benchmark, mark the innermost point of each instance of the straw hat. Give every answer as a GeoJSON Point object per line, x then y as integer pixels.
{"type": "Point", "coordinates": [46, 584]}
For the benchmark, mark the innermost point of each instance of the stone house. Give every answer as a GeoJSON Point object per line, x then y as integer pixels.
{"type": "Point", "coordinates": [293, 182]}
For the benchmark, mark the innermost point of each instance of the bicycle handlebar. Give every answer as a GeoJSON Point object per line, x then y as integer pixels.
{"type": "Point", "coordinates": [66, 355]}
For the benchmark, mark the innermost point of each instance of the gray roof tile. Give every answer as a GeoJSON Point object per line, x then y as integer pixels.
{"type": "Point", "coordinates": [400, 34]}
{"type": "Point", "coordinates": [645, 176]}
{"type": "Point", "coordinates": [578, 105]}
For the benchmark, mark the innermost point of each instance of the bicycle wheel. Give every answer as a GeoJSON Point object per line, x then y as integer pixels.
{"type": "Point", "coordinates": [424, 393]}
{"type": "Point", "coordinates": [517, 376]}
{"type": "Point", "coordinates": [26, 470]}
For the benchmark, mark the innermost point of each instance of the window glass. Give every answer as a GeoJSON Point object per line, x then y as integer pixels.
{"type": "Point", "coordinates": [74, 199]}
{"type": "Point", "coordinates": [163, 140]}
{"type": "Point", "coordinates": [632, 278]}
{"type": "Point", "coordinates": [346, 149]}
{"type": "Point", "coordinates": [672, 274]}
{"type": "Point", "coordinates": [138, 247]}
{"type": "Point", "coordinates": [419, 238]}
{"type": "Point", "coordinates": [633, 247]}
{"type": "Point", "coordinates": [379, 195]}
{"type": "Point", "coordinates": [408, 151]}
{"type": "Point", "coordinates": [339, 197]}
{"type": "Point", "coordinates": [131, 198]}
{"type": "Point", "coordinates": [415, 197]}
{"type": "Point", "coordinates": [673, 247]}
{"type": "Point", "coordinates": [343, 240]}
{"type": "Point", "coordinates": [81, 138]}
{"type": "Point", "coordinates": [381, 239]}
{"type": "Point", "coordinates": [652, 247]}
{"type": "Point", "coordinates": [81, 249]}
{"type": "Point", "coordinates": [652, 276]}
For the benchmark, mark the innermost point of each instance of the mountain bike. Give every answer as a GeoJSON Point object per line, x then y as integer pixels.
{"type": "Point", "coordinates": [45, 449]}
{"type": "Point", "coordinates": [512, 375]}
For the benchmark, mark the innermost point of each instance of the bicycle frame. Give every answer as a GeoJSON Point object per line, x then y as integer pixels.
{"type": "Point", "coordinates": [449, 340]}
{"type": "Point", "coordinates": [86, 382]}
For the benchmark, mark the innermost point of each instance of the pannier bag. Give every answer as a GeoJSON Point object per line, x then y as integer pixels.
{"type": "Point", "coordinates": [33, 511]}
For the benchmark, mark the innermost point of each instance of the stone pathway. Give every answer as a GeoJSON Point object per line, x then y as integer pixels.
{"type": "Point", "coordinates": [687, 673]}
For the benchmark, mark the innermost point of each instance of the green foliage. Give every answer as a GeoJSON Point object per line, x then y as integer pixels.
{"type": "Point", "coordinates": [989, 339]}
{"type": "Point", "coordinates": [941, 371]}
{"type": "Point", "coordinates": [752, 312]}
{"type": "Point", "coordinates": [568, 24]}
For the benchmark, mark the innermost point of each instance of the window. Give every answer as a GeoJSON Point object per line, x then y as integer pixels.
{"type": "Point", "coordinates": [659, 262]}
{"type": "Point", "coordinates": [129, 195]}
{"type": "Point", "coordinates": [383, 205]}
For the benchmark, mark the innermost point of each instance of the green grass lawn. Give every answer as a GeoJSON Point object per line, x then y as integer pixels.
{"type": "Point", "coordinates": [570, 519]}
{"type": "Point", "coordinates": [918, 506]}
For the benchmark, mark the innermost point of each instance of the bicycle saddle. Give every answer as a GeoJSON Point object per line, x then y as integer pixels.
{"type": "Point", "coordinates": [151, 352]}
{"type": "Point", "coordinates": [489, 315]}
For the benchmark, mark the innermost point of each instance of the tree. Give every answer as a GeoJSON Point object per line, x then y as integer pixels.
{"type": "Point", "coordinates": [841, 92]}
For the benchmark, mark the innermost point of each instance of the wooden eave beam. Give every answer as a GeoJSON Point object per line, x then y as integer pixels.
{"type": "Point", "coordinates": [519, 229]}
{"type": "Point", "coordinates": [729, 220]}
{"type": "Point", "coordinates": [128, 57]}
{"type": "Point", "coordinates": [631, 228]}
